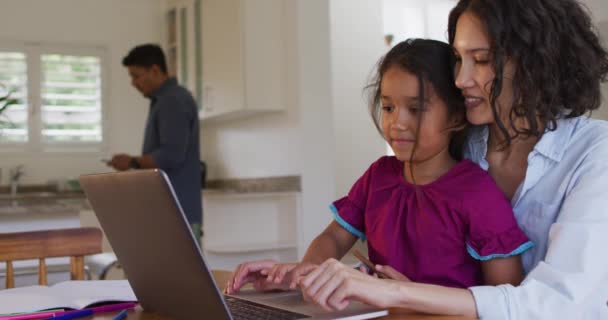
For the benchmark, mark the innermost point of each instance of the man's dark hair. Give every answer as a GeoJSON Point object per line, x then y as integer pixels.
{"type": "Point", "coordinates": [146, 55]}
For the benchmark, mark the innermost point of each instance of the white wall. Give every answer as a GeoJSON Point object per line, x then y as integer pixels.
{"type": "Point", "coordinates": [313, 96]}
{"type": "Point", "coordinates": [116, 25]}
{"type": "Point", "coordinates": [416, 19]}
{"type": "Point", "coordinates": [296, 141]}
{"type": "Point", "coordinates": [603, 112]}
{"type": "Point", "coordinates": [357, 44]}
{"type": "Point", "coordinates": [598, 8]}
{"type": "Point", "coordinates": [599, 11]}
{"type": "Point", "coordinates": [325, 135]}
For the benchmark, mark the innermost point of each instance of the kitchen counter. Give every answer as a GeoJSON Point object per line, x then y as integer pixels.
{"type": "Point", "coordinates": [254, 185]}
{"type": "Point", "coordinates": [42, 202]}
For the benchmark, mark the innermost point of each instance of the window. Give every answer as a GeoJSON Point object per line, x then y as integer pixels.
{"type": "Point", "coordinates": [71, 98]}
{"type": "Point", "coordinates": [60, 94]}
{"type": "Point", "coordinates": [13, 79]}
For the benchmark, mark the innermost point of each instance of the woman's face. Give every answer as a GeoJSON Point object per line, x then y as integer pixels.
{"type": "Point", "coordinates": [474, 73]}
{"type": "Point", "coordinates": [400, 113]}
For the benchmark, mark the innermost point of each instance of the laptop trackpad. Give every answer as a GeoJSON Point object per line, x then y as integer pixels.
{"type": "Point", "coordinates": [293, 301]}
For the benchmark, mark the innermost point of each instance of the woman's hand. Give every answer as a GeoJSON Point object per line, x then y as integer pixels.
{"type": "Point", "coordinates": [332, 285]}
{"type": "Point", "coordinates": [391, 273]}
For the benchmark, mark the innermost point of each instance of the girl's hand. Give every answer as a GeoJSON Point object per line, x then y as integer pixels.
{"type": "Point", "coordinates": [250, 272]}
{"type": "Point", "coordinates": [391, 273]}
{"type": "Point", "coordinates": [302, 270]}
{"type": "Point", "coordinates": [332, 285]}
{"type": "Point", "coordinates": [289, 273]}
{"type": "Point", "coordinates": [277, 273]}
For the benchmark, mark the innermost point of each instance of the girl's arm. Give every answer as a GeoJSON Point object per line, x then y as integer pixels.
{"type": "Point", "coordinates": [507, 270]}
{"type": "Point", "coordinates": [333, 242]}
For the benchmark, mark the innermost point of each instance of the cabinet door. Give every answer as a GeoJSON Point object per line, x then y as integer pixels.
{"type": "Point", "coordinates": [183, 43]}
{"type": "Point", "coordinates": [243, 57]}
{"type": "Point", "coordinates": [222, 57]}
{"type": "Point", "coordinates": [264, 55]}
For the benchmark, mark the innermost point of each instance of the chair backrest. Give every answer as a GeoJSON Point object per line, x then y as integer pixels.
{"type": "Point", "coordinates": [74, 243]}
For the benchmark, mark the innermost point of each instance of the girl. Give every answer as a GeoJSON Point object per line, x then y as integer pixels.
{"type": "Point", "coordinates": [426, 215]}
{"type": "Point", "coordinates": [530, 70]}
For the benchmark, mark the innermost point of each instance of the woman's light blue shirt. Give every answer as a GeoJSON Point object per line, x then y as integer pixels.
{"type": "Point", "coordinates": [562, 205]}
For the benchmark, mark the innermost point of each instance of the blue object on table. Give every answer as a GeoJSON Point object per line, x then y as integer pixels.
{"type": "Point", "coordinates": [72, 315]}
{"type": "Point", "coordinates": [121, 315]}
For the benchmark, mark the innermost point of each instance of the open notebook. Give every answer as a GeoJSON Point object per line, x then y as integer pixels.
{"type": "Point", "coordinates": [64, 295]}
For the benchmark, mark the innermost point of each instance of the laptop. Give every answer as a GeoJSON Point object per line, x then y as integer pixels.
{"type": "Point", "coordinates": [145, 224]}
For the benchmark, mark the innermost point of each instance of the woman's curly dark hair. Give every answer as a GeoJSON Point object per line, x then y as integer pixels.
{"type": "Point", "coordinates": [559, 60]}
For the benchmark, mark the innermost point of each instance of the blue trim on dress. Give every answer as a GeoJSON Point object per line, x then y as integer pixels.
{"type": "Point", "coordinates": [515, 252]}
{"type": "Point", "coordinates": [345, 224]}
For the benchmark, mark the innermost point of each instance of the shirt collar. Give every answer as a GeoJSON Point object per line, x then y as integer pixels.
{"type": "Point", "coordinates": [551, 145]}
{"type": "Point", "coordinates": [169, 83]}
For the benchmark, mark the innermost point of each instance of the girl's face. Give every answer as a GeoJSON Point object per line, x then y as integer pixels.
{"type": "Point", "coordinates": [400, 112]}
{"type": "Point", "coordinates": [474, 73]}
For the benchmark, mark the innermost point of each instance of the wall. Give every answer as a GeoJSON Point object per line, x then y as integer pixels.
{"type": "Point", "coordinates": [598, 8]}
{"type": "Point", "coordinates": [415, 19]}
{"type": "Point", "coordinates": [325, 135]}
{"type": "Point", "coordinates": [116, 25]}
{"type": "Point", "coordinates": [599, 11]}
{"type": "Point", "coordinates": [603, 27]}
{"type": "Point", "coordinates": [296, 141]}
{"type": "Point", "coordinates": [357, 44]}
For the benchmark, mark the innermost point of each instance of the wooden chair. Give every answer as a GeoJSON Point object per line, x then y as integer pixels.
{"type": "Point", "coordinates": [75, 243]}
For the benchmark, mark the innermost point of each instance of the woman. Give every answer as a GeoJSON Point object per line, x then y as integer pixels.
{"type": "Point", "coordinates": [530, 71]}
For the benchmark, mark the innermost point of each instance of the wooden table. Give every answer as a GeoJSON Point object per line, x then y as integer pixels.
{"type": "Point", "coordinates": [222, 277]}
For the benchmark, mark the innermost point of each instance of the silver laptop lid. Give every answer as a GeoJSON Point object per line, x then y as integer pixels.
{"type": "Point", "coordinates": [138, 212]}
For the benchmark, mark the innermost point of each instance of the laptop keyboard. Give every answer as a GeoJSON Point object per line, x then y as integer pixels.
{"type": "Point", "coordinates": [247, 310]}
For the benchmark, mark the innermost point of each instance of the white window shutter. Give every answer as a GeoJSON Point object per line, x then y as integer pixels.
{"type": "Point", "coordinates": [71, 98]}
{"type": "Point", "coordinates": [13, 78]}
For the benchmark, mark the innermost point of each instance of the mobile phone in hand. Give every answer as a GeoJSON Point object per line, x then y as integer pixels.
{"type": "Point", "coordinates": [370, 266]}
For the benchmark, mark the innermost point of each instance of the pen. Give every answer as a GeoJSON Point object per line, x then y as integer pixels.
{"type": "Point", "coordinates": [121, 315]}
{"type": "Point", "coordinates": [28, 316]}
{"type": "Point", "coordinates": [114, 307]}
{"type": "Point", "coordinates": [370, 266]}
{"type": "Point", "coordinates": [72, 315]}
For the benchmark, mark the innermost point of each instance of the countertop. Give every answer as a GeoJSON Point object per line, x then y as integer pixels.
{"type": "Point", "coordinates": [47, 199]}
{"type": "Point", "coordinates": [255, 185]}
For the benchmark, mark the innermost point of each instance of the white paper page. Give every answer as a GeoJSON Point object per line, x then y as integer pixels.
{"type": "Point", "coordinates": [68, 294]}
{"type": "Point", "coordinates": [83, 293]}
{"type": "Point", "coordinates": [28, 299]}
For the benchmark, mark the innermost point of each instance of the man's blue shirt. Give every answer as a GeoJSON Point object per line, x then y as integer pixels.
{"type": "Point", "coordinates": [172, 139]}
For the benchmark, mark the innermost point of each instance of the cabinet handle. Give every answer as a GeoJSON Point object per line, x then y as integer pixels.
{"type": "Point", "coordinates": [208, 98]}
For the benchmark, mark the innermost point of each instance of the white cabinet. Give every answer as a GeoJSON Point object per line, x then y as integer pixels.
{"type": "Point", "coordinates": [250, 226]}
{"type": "Point", "coordinates": [231, 54]}
{"type": "Point", "coordinates": [183, 43]}
{"type": "Point", "coordinates": [243, 61]}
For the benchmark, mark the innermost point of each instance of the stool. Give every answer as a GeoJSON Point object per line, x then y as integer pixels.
{"type": "Point", "coordinates": [100, 264]}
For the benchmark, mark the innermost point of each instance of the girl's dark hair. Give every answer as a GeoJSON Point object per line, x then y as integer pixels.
{"type": "Point", "coordinates": [559, 61]}
{"type": "Point", "coordinates": [432, 62]}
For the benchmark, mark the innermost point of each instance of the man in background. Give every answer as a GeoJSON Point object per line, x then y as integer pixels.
{"type": "Point", "coordinates": [171, 137]}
